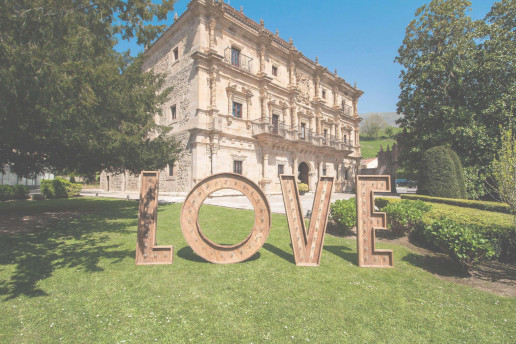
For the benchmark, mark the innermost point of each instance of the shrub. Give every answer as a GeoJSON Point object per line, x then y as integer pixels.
{"type": "Point", "coordinates": [459, 173]}
{"type": "Point", "coordinates": [482, 205]}
{"type": "Point", "coordinates": [437, 174]}
{"type": "Point", "coordinates": [8, 192]}
{"type": "Point", "coordinates": [461, 242]}
{"type": "Point", "coordinates": [20, 192]}
{"type": "Point", "coordinates": [302, 187]}
{"type": "Point", "coordinates": [403, 216]}
{"type": "Point", "coordinates": [59, 188]}
{"type": "Point", "coordinates": [344, 213]}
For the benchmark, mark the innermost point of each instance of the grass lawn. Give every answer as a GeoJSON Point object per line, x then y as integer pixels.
{"type": "Point", "coordinates": [370, 147]}
{"type": "Point", "coordinates": [72, 279]}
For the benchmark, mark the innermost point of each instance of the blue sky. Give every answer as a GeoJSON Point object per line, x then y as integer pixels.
{"type": "Point", "coordinates": [359, 38]}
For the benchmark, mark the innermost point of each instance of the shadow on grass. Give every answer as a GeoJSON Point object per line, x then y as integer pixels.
{"type": "Point", "coordinates": [78, 241]}
{"type": "Point", "coordinates": [342, 252]}
{"type": "Point", "coordinates": [188, 254]}
{"type": "Point", "coordinates": [440, 265]}
{"type": "Point", "coordinates": [279, 252]}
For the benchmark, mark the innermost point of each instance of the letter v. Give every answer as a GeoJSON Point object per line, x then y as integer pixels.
{"type": "Point", "coordinates": [307, 246]}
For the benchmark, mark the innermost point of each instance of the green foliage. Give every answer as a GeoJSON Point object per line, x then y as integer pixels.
{"type": "Point", "coordinates": [475, 181]}
{"type": "Point", "coordinates": [504, 170]}
{"type": "Point", "coordinates": [369, 148]}
{"type": "Point", "coordinates": [302, 187]}
{"type": "Point", "coordinates": [8, 192]}
{"type": "Point", "coordinates": [69, 101]}
{"type": "Point", "coordinates": [373, 125]}
{"type": "Point", "coordinates": [59, 188]}
{"type": "Point", "coordinates": [403, 216]}
{"type": "Point", "coordinates": [344, 213]}
{"type": "Point", "coordinates": [437, 174]}
{"type": "Point", "coordinates": [482, 205]}
{"type": "Point", "coordinates": [463, 243]}
{"type": "Point", "coordinates": [459, 173]}
{"type": "Point", "coordinates": [457, 82]}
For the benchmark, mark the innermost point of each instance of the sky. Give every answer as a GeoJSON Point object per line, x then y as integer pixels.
{"type": "Point", "coordinates": [360, 38]}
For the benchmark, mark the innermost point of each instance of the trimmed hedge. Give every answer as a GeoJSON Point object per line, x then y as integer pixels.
{"type": "Point", "coordinates": [59, 188]}
{"type": "Point", "coordinates": [437, 174]}
{"type": "Point", "coordinates": [482, 205]}
{"type": "Point", "coordinates": [403, 216]}
{"type": "Point", "coordinates": [344, 213]}
{"type": "Point", "coordinates": [8, 192]}
{"type": "Point", "coordinates": [496, 227]}
{"type": "Point", "coordinates": [459, 173]}
{"type": "Point", "coordinates": [463, 243]}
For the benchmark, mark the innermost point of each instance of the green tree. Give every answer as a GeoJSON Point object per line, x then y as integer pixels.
{"type": "Point", "coordinates": [68, 100]}
{"type": "Point", "coordinates": [457, 82]}
{"type": "Point", "coordinates": [504, 170]}
{"type": "Point", "coordinates": [373, 125]}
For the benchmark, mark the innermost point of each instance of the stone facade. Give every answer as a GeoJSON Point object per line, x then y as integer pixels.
{"type": "Point", "coordinates": [243, 98]}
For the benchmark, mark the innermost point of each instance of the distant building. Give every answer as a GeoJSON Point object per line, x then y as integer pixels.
{"type": "Point", "coordinates": [11, 178]}
{"type": "Point", "coordinates": [386, 162]}
{"type": "Point", "coordinates": [248, 102]}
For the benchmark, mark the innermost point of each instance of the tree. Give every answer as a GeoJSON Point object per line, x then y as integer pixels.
{"type": "Point", "coordinates": [437, 174]}
{"type": "Point", "coordinates": [504, 170]}
{"type": "Point", "coordinates": [457, 82]}
{"type": "Point", "coordinates": [68, 100]}
{"type": "Point", "coordinates": [373, 124]}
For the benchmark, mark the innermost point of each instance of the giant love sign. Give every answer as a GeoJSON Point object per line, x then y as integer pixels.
{"type": "Point", "coordinates": [307, 246]}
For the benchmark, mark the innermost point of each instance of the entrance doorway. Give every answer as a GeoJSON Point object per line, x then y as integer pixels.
{"type": "Point", "coordinates": [303, 173]}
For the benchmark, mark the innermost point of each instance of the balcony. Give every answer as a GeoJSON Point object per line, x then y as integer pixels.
{"type": "Point", "coordinates": [274, 130]}
{"type": "Point", "coordinates": [237, 59]}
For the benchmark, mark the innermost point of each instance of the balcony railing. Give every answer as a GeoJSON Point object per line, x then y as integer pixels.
{"type": "Point", "coordinates": [280, 129]}
{"type": "Point", "coordinates": [237, 59]}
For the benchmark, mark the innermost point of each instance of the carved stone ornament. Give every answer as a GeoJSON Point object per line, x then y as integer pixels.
{"type": "Point", "coordinates": [368, 221]}
{"type": "Point", "coordinates": [225, 254]}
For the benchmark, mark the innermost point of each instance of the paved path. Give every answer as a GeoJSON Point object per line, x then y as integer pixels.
{"type": "Point", "coordinates": [231, 201]}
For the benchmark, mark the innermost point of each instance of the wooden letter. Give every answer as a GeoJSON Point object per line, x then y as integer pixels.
{"type": "Point", "coordinates": [368, 221]}
{"type": "Point", "coordinates": [307, 247]}
{"type": "Point", "coordinates": [146, 250]}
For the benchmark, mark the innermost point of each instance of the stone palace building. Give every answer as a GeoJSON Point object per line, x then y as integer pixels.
{"type": "Point", "coordinates": [247, 101]}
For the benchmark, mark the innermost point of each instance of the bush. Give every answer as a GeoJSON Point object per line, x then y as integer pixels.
{"type": "Point", "coordinates": [459, 173]}
{"type": "Point", "coordinates": [465, 244]}
{"type": "Point", "coordinates": [381, 203]}
{"type": "Point", "coordinates": [59, 188]}
{"type": "Point", "coordinates": [403, 216]}
{"type": "Point", "coordinates": [482, 205]}
{"type": "Point", "coordinates": [437, 174]}
{"type": "Point", "coordinates": [8, 192]}
{"type": "Point", "coordinates": [344, 213]}
{"type": "Point", "coordinates": [302, 187]}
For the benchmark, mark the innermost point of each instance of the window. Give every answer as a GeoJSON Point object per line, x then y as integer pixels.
{"type": "Point", "coordinates": [346, 174]}
{"type": "Point", "coordinates": [176, 54]}
{"type": "Point", "coordinates": [280, 169]}
{"type": "Point", "coordinates": [237, 167]}
{"type": "Point", "coordinates": [325, 134]}
{"type": "Point", "coordinates": [235, 57]}
{"type": "Point", "coordinates": [170, 170]}
{"type": "Point", "coordinates": [303, 131]}
{"type": "Point", "coordinates": [173, 112]}
{"type": "Point", "coordinates": [237, 110]}
{"type": "Point", "coordinates": [324, 171]}
{"type": "Point", "coordinates": [324, 94]}
{"type": "Point", "coordinates": [345, 138]}
{"type": "Point", "coordinates": [274, 70]}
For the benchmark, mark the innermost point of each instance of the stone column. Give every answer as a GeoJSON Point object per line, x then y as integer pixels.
{"type": "Point", "coordinates": [262, 58]}
{"type": "Point", "coordinates": [292, 74]}
{"type": "Point", "coordinates": [294, 168]}
{"type": "Point", "coordinates": [265, 164]}
{"type": "Point", "coordinates": [316, 84]}
{"type": "Point", "coordinates": [293, 117]}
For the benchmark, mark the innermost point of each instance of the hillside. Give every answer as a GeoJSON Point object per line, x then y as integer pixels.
{"type": "Point", "coordinates": [389, 117]}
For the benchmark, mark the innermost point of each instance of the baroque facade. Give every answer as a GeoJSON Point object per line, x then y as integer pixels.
{"type": "Point", "coordinates": [246, 101]}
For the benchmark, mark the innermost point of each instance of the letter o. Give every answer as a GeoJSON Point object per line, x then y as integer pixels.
{"type": "Point", "coordinates": [225, 254]}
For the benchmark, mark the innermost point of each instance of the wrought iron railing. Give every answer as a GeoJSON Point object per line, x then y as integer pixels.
{"type": "Point", "coordinates": [237, 59]}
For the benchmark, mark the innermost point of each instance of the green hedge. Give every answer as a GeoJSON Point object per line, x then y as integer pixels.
{"type": "Point", "coordinates": [8, 192]}
{"type": "Point", "coordinates": [59, 188]}
{"type": "Point", "coordinates": [497, 227]}
{"type": "Point", "coordinates": [438, 174]}
{"type": "Point", "coordinates": [482, 205]}
{"type": "Point", "coordinates": [403, 216]}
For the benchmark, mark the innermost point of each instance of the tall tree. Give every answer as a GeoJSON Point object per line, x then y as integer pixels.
{"type": "Point", "coordinates": [373, 125]}
{"type": "Point", "coordinates": [457, 82]}
{"type": "Point", "coordinates": [68, 100]}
